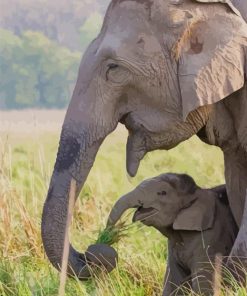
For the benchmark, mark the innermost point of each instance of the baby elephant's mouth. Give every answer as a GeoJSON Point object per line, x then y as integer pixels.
{"type": "Point", "coordinates": [142, 214]}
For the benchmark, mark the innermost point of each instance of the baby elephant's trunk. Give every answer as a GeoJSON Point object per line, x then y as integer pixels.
{"type": "Point", "coordinates": [128, 201]}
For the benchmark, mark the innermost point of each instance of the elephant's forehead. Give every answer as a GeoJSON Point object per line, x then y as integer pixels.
{"type": "Point", "coordinates": [137, 9]}
{"type": "Point", "coordinates": [135, 15]}
{"type": "Point", "coordinates": [128, 36]}
{"type": "Point", "coordinates": [124, 45]}
{"type": "Point", "coordinates": [129, 11]}
{"type": "Point", "coordinates": [146, 3]}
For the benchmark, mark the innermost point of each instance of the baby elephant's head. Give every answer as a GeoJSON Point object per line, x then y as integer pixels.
{"type": "Point", "coordinates": [169, 200]}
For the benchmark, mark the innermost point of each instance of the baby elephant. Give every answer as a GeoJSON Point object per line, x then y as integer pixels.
{"type": "Point", "coordinates": [197, 222]}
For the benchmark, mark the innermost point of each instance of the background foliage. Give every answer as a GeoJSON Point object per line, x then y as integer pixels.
{"type": "Point", "coordinates": [35, 71]}
{"type": "Point", "coordinates": [41, 44]}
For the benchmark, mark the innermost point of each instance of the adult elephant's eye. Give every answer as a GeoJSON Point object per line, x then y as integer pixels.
{"type": "Point", "coordinates": [163, 192]}
{"type": "Point", "coordinates": [110, 67]}
{"type": "Point", "coordinates": [117, 74]}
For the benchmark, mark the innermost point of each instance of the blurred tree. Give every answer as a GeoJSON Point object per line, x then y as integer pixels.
{"type": "Point", "coordinates": [10, 47]}
{"type": "Point", "coordinates": [59, 20]}
{"type": "Point", "coordinates": [90, 28]}
{"type": "Point", "coordinates": [36, 71]}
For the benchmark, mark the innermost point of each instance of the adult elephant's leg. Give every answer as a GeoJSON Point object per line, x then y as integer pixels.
{"type": "Point", "coordinates": [238, 257]}
{"type": "Point", "coordinates": [241, 241]}
{"type": "Point", "coordinates": [236, 180]}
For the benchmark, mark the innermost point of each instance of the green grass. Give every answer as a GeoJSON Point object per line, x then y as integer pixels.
{"type": "Point", "coordinates": [25, 167]}
{"type": "Point", "coordinates": [112, 234]}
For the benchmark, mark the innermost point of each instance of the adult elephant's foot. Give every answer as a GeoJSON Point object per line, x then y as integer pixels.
{"type": "Point", "coordinates": [237, 262]}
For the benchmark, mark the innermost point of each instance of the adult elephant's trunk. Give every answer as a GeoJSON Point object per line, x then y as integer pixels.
{"type": "Point", "coordinates": [88, 121]}
{"type": "Point", "coordinates": [74, 161]}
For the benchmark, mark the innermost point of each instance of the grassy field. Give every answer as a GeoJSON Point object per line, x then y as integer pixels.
{"type": "Point", "coordinates": [28, 145]}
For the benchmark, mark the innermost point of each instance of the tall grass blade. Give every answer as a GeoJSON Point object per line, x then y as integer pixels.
{"type": "Point", "coordinates": [63, 273]}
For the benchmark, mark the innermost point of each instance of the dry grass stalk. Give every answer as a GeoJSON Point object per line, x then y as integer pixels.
{"type": "Point", "coordinates": [217, 275]}
{"type": "Point", "coordinates": [30, 229]}
{"type": "Point", "coordinates": [63, 273]}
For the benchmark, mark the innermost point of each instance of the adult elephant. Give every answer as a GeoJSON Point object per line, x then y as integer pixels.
{"type": "Point", "coordinates": [167, 70]}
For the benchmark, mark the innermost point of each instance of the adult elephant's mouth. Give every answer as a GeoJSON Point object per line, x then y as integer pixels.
{"type": "Point", "coordinates": [139, 144]}
{"type": "Point", "coordinates": [142, 140]}
{"type": "Point", "coordinates": [141, 214]}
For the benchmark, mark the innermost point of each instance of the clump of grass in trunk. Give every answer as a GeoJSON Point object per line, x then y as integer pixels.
{"type": "Point", "coordinates": [112, 234]}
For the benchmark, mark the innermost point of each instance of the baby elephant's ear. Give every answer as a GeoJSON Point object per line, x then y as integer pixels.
{"type": "Point", "coordinates": [199, 216]}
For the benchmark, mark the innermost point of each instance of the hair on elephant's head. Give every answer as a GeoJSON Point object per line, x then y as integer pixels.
{"type": "Point", "coordinates": [156, 66]}
{"type": "Point", "coordinates": [169, 200]}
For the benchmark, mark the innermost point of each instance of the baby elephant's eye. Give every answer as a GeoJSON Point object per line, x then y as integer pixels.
{"type": "Point", "coordinates": [161, 193]}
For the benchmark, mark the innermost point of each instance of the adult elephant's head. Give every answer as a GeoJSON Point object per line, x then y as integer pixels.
{"type": "Point", "coordinates": [154, 67]}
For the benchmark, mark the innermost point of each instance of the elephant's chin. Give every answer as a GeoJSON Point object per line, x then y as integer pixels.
{"type": "Point", "coordinates": [143, 214]}
{"type": "Point", "coordinates": [139, 144]}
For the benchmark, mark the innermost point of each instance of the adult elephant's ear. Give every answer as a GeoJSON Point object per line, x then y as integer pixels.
{"type": "Point", "coordinates": [228, 2]}
{"type": "Point", "coordinates": [211, 56]}
{"type": "Point", "coordinates": [199, 216]}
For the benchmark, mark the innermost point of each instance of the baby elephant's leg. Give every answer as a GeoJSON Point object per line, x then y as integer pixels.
{"type": "Point", "coordinates": [175, 277]}
{"type": "Point", "coordinates": [202, 279]}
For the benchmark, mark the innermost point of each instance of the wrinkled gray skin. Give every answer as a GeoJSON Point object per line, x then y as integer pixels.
{"type": "Point", "coordinates": [198, 223]}
{"type": "Point", "coordinates": [242, 7]}
{"type": "Point", "coordinates": [160, 68]}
